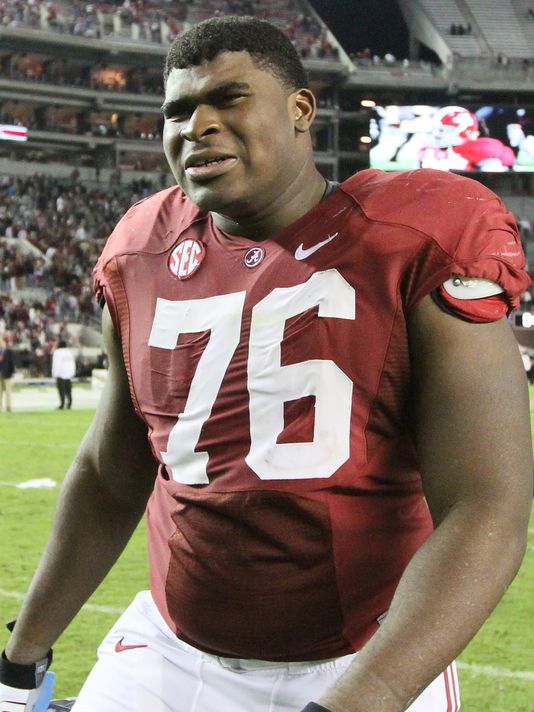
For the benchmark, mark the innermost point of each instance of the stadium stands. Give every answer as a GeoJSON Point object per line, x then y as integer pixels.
{"type": "Point", "coordinates": [501, 26]}
{"type": "Point", "coordinates": [446, 13]}
{"type": "Point", "coordinates": [497, 33]}
{"type": "Point", "coordinates": [157, 22]}
{"type": "Point", "coordinates": [53, 233]}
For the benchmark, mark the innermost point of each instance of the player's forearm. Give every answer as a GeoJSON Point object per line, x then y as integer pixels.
{"type": "Point", "coordinates": [445, 594]}
{"type": "Point", "coordinates": [90, 531]}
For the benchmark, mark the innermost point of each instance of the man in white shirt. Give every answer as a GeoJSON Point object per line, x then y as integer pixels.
{"type": "Point", "coordinates": [63, 370]}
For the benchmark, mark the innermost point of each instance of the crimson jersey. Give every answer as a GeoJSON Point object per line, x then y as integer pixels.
{"type": "Point", "coordinates": [274, 382]}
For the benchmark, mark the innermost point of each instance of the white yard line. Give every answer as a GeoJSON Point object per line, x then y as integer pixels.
{"type": "Point", "coordinates": [489, 671]}
{"type": "Point", "coordinates": [37, 483]}
{"type": "Point", "coordinates": [95, 607]}
{"type": "Point", "coordinates": [31, 443]}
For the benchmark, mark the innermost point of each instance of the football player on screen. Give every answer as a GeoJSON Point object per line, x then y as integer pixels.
{"type": "Point", "coordinates": [458, 145]}
{"type": "Point", "coordinates": [314, 392]}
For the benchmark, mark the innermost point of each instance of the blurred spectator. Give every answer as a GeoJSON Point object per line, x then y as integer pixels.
{"type": "Point", "coordinates": [7, 369]}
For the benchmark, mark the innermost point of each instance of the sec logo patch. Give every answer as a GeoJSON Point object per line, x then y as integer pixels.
{"type": "Point", "coordinates": [186, 258]}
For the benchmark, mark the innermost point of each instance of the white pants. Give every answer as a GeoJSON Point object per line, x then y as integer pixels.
{"type": "Point", "coordinates": [167, 675]}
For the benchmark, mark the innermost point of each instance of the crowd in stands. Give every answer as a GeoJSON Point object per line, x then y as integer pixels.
{"type": "Point", "coordinates": [59, 71]}
{"type": "Point", "coordinates": [51, 234]}
{"type": "Point", "coordinates": [28, 326]}
{"type": "Point", "coordinates": [85, 19]}
{"type": "Point", "coordinates": [15, 13]}
{"type": "Point", "coordinates": [52, 70]}
{"type": "Point", "coordinates": [111, 125]}
{"type": "Point", "coordinates": [368, 59]}
{"type": "Point", "coordinates": [159, 22]}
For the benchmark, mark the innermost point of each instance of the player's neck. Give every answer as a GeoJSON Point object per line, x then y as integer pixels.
{"type": "Point", "coordinates": [300, 197]}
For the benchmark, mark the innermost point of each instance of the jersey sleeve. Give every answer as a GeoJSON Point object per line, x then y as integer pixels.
{"type": "Point", "coordinates": [472, 299]}
{"type": "Point", "coordinates": [98, 283]}
{"type": "Point", "coordinates": [116, 243]}
{"type": "Point", "coordinates": [103, 286]}
{"type": "Point", "coordinates": [478, 245]}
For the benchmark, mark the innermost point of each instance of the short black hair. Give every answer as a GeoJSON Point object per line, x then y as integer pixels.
{"type": "Point", "coordinates": [269, 47]}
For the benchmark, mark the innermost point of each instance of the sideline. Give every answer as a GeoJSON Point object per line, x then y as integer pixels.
{"type": "Point", "coordinates": [42, 397]}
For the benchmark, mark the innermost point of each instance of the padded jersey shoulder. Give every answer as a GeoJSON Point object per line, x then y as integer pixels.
{"type": "Point", "coordinates": [152, 224]}
{"type": "Point", "coordinates": [392, 196]}
{"type": "Point", "coordinates": [442, 206]}
{"type": "Point", "coordinates": [462, 228]}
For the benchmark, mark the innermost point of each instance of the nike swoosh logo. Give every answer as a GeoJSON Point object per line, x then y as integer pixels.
{"type": "Point", "coordinates": [119, 647]}
{"type": "Point", "coordinates": [302, 252]}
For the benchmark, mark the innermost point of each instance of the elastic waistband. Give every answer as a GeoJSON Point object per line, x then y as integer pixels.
{"type": "Point", "coordinates": [249, 665]}
{"type": "Point", "coordinates": [145, 601]}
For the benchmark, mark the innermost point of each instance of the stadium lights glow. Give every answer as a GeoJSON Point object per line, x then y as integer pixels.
{"type": "Point", "coordinates": [368, 103]}
{"type": "Point", "coordinates": [366, 139]}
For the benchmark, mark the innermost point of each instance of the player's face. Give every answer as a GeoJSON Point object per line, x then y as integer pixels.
{"type": "Point", "coordinates": [229, 135]}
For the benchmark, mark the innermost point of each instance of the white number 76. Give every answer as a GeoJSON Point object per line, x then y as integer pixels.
{"type": "Point", "coordinates": [269, 383]}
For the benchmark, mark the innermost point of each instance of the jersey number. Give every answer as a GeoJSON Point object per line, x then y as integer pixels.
{"type": "Point", "coordinates": [269, 383]}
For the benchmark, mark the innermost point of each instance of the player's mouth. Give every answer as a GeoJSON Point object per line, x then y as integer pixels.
{"type": "Point", "coordinates": [202, 167]}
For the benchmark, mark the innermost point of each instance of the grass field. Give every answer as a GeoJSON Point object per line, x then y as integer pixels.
{"type": "Point", "coordinates": [496, 671]}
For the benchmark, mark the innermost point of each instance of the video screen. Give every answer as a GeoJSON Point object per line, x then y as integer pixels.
{"type": "Point", "coordinates": [452, 138]}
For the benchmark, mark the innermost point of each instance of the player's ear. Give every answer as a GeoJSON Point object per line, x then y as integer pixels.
{"type": "Point", "coordinates": [303, 107]}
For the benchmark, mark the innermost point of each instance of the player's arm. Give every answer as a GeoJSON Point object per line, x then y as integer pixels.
{"type": "Point", "coordinates": [471, 420]}
{"type": "Point", "coordinates": [100, 503]}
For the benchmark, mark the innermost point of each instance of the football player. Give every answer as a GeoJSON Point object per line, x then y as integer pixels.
{"type": "Point", "coordinates": [459, 146]}
{"type": "Point", "coordinates": [316, 390]}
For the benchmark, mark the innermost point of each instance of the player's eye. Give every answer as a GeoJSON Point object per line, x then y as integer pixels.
{"type": "Point", "coordinates": [177, 111]}
{"type": "Point", "coordinates": [230, 99]}
{"type": "Point", "coordinates": [178, 116]}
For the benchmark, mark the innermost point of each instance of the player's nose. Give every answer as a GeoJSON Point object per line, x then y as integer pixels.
{"type": "Point", "coordinates": [203, 121]}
